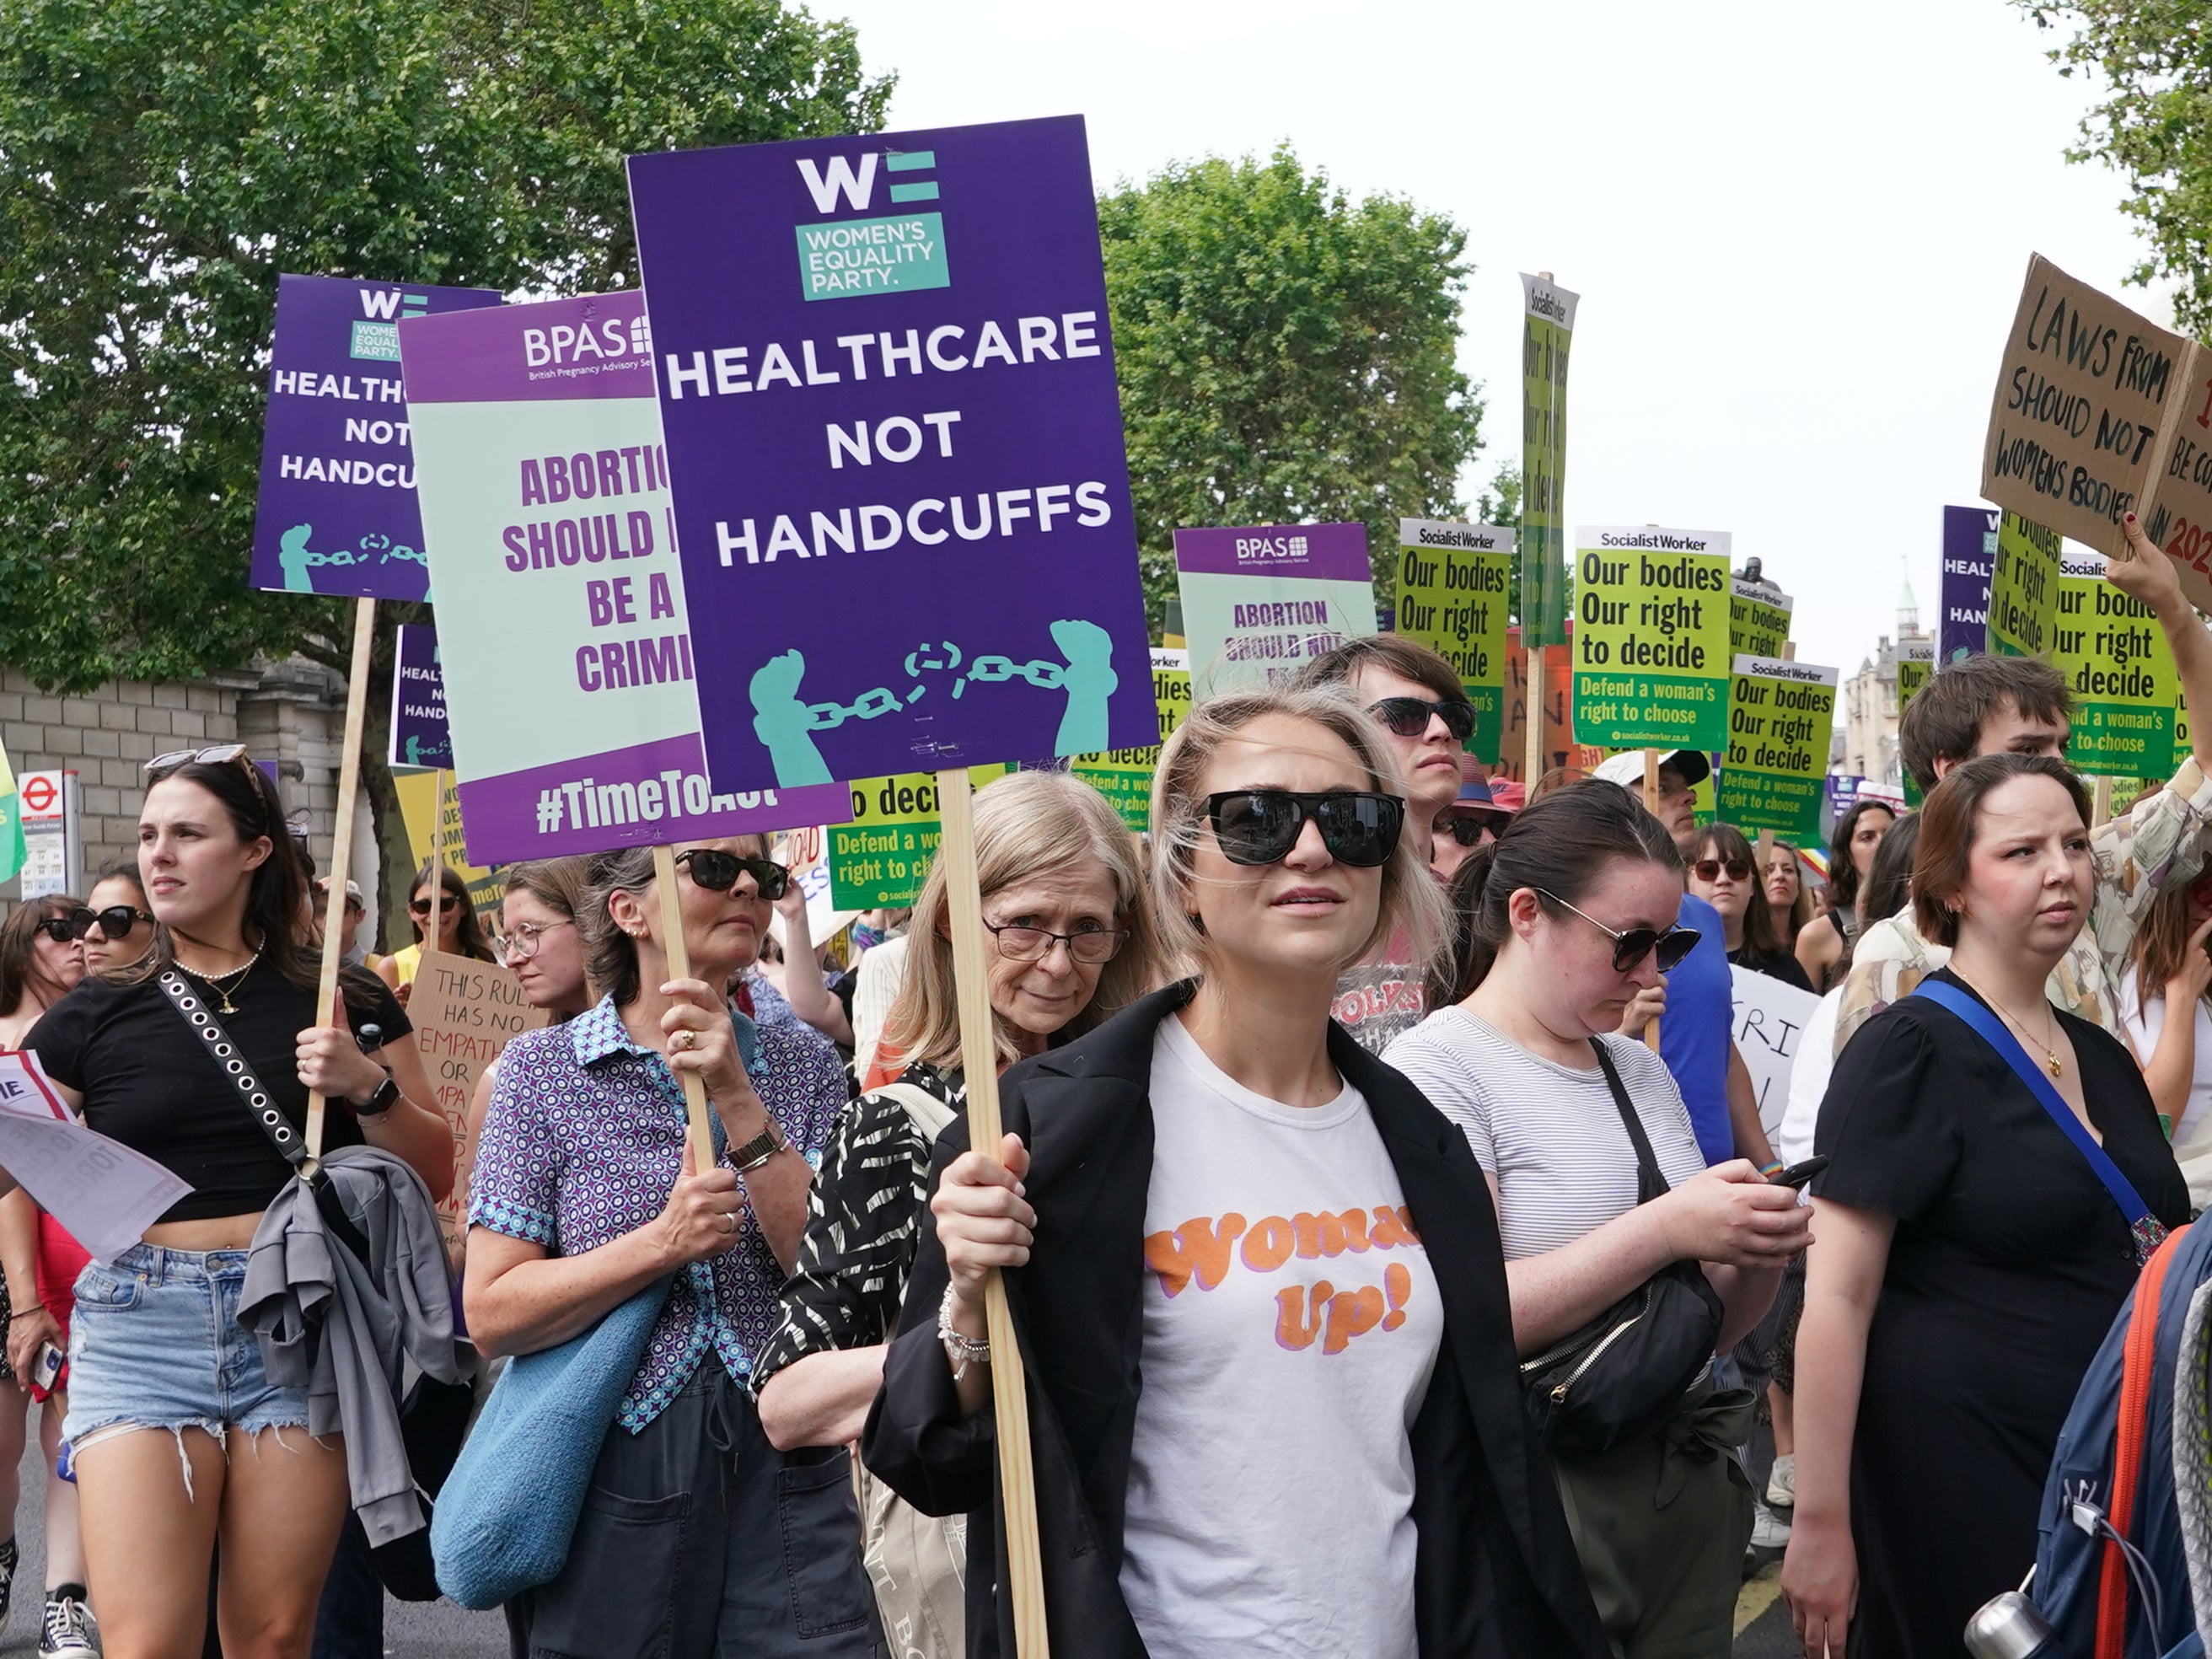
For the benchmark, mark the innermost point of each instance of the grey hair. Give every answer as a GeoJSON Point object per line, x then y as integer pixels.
{"type": "Point", "coordinates": [609, 954]}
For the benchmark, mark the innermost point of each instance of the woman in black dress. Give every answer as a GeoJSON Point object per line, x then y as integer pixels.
{"type": "Point", "coordinates": [1969, 1260]}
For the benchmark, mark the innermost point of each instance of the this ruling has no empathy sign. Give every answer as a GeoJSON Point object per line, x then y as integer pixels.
{"type": "Point", "coordinates": [574, 712]}
{"type": "Point", "coordinates": [337, 513]}
{"type": "Point", "coordinates": [1259, 601]}
{"type": "Point", "coordinates": [895, 443]}
{"type": "Point", "coordinates": [1651, 637]}
{"type": "Point", "coordinates": [1780, 716]}
{"type": "Point", "coordinates": [1455, 582]}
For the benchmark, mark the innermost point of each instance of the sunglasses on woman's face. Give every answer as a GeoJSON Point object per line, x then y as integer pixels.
{"type": "Point", "coordinates": [56, 928]}
{"type": "Point", "coordinates": [1408, 717]}
{"type": "Point", "coordinates": [717, 872]}
{"type": "Point", "coordinates": [113, 922]}
{"type": "Point", "coordinates": [421, 906]}
{"type": "Point", "coordinates": [1629, 948]}
{"type": "Point", "coordinates": [1711, 869]}
{"type": "Point", "coordinates": [1261, 826]}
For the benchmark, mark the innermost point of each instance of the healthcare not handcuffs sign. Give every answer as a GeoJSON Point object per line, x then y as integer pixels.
{"type": "Point", "coordinates": [895, 444]}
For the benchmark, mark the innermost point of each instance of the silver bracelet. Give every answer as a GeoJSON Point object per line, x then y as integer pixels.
{"type": "Point", "coordinates": [962, 1351]}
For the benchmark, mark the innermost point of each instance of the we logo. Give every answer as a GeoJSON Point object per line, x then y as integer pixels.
{"type": "Point", "coordinates": [377, 337]}
{"type": "Point", "coordinates": [845, 258]}
{"type": "Point", "coordinates": [839, 178]}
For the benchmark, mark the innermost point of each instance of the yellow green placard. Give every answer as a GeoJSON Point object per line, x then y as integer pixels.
{"type": "Point", "coordinates": [883, 856]}
{"type": "Point", "coordinates": [1546, 341]}
{"type": "Point", "coordinates": [1454, 582]}
{"type": "Point", "coordinates": [2120, 671]}
{"type": "Point", "coordinates": [2023, 587]}
{"type": "Point", "coordinates": [1124, 776]}
{"type": "Point", "coordinates": [1780, 716]}
{"type": "Point", "coordinates": [1651, 638]}
{"type": "Point", "coordinates": [1916, 665]}
{"type": "Point", "coordinates": [1759, 619]}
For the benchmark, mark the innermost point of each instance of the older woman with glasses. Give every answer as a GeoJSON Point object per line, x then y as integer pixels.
{"type": "Point", "coordinates": [696, 1535]}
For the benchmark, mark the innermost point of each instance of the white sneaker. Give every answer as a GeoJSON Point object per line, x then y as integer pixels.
{"type": "Point", "coordinates": [69, 1630]}
{"type": "Point", "coordinates": [1769, 1531]}
{"type": "Point", "coordinates": [1782, 1484]}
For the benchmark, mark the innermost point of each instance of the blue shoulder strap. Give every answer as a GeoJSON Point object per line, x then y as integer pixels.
{"type": "Point", "coordinates": [2146, 1227]}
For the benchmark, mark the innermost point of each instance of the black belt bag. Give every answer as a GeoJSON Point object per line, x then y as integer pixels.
{"type": "Point", "coordinates": [1629, 1370]}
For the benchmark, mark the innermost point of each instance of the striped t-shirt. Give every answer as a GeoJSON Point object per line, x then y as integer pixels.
{"type": "Point", "coordinates": [1552, 1136]}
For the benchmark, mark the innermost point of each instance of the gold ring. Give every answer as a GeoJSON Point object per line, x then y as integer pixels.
{"type": "Point", "coordinates": [682, 1041]}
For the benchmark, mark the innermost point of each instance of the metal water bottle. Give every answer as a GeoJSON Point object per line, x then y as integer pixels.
{"type": "Point", "coordinates": [2010, 1626]}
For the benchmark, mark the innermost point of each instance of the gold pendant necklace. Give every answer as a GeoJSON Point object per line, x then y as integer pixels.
{"type": "Point", "coordinates": [236, 976]}
{"type": "Point", "coordinates": [2051, 1063]}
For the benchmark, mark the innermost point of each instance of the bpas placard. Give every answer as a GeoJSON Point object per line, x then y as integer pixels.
{"type": "Point", "coordinates": [894, 439]}
{"type": "Point", "coordinates": [1651, 637]}
{"type": "Point", "coordinates": [1780, 717]}
{"type": "Point", "coordinates": [419, 734]}
{"type": "Point", "coordinates": [337, 511]}
{"type": "Point", "coordinates": [1259, 601]}
{"type": "Point", "coordinates": [1125, 776]}
{"type": "Point", "coordinates": [2120, 670]}
{"type": "Point", "coordinates": [884, 855]}
{"type": "Point", "coordinates": [1454, 581]}
{"type": "Point", "coordinates": [575, 710]}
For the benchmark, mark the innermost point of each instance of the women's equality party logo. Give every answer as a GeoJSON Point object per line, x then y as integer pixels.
{"type": "Point", "coordinates": [875, 252]}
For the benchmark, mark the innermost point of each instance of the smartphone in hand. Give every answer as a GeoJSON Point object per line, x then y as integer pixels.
{"type": "Point", "coordinates": [1798, 1174]}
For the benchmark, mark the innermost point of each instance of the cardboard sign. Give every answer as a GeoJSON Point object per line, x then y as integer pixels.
{"type": "Point", "coordinates": [1125, 776]}
{"type": "Point", "coordinates": [1759, 618]}
{"type": "Point", "coordinates": [1770, 1017]}
{"type": "Point", "coordinates": [1970, 554]}
{"type": "Point", "coordinates": [1780, 717]}
{"type": "Point", "coordinates": [1556, 706]}
{"type": "Point", "coordinates": [1454, 581]}
{"type": "Point", "coordinates": [2023, 587]}
{"type": "Point", "coordinates": [419, 736]}
{"type": "Point", "coordinates": [1548, 328]}
{"type": "Point", "coordinates": [1652, 635]}
{"type": "Point", "coordinates": [2121, 671]}
{"type": "Point", "coordinates": [805, 854]}
{"type": "Point", "coordinates": [883, 856]}
{"type": "Point", "coordinates": [336, 512]}
{"type": "Point", "coordinates": [1260, 601]}
{"type": "Point", "coordinates": [895, 440]}
{"type": "Point", "coordinates": [464, 1012]}
{"type": "Point", "coordinates": [544, 489]}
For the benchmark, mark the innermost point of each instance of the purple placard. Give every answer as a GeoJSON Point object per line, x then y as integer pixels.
{"type": "Point", "coordinates": [599, 346]}
{"type": "Point", "coordinates": [902, 499]}
{"type": "Point", "coordinates": [1969, 551]}
{"type": "Point", "coordinates": [644, 796]}
{"type": "Point", "coordinates": [1330, 552]}
{"type": "Point", "coordinates": [336, 510]}
{"type": "Point", "coordinates": [419, 735]}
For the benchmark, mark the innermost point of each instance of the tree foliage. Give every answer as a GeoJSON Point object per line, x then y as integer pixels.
{"type": "Point", "coordinates": [1285, 354]}
{"type": "Point", "coordinates": [2153, 59]}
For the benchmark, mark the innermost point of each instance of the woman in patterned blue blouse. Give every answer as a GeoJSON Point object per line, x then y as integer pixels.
{"type": "Point", "coordinates": [696, 1535]}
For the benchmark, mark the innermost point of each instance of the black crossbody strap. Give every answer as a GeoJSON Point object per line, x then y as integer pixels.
{"type": "Point", "coordinates": [227, 1055]}
{"type": "Point", "coordinates": [1650, 1184]}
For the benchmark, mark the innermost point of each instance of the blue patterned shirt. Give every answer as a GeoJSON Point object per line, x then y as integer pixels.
{"type": "Point", "coordinates": [580, 1144]}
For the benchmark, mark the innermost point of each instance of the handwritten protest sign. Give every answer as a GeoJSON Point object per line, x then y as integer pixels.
{"type": "Point", "coordinates": [1124, 776]}
{"type": "Point", "coordinates": [1780, 717]}
{"type": "Point", "coordinates": [1770, 1018]}
{"type": "Point", "coordinates": [883, 855]}
{"type": "Point", "coordinates": [894, 439]}
{"type": "Point", "coordinates": [575, 710]}
{"type": "Point", "coordinates": [1556, 704]}
{"type": "Point", "coordinates": [1454, 583]}
{"type": "Point", "coordinates": [336, 510]}
{"type": "Point", "coordinates": [1548, 328]}
{"type": "Point", "coordinates": [1970, 553]}
{"type": "Point", "coordinates": [464, 1012]}
{"type": "Point", "coordinates": [419, 735]}
{"type": "Point", "coordinates": [1651, 638]}
{"type": "Point", "coordinates": [1759, 618]}
{"type": "Point", "coordinates": [2023, 587]}
{"type": "Point", "coordinates": [2120, 670]}
{"type": "Point", "coordinates": [1259, 601]}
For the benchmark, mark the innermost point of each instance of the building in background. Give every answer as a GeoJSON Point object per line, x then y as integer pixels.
{"type": "Point", "coordinates": [1866, 738]}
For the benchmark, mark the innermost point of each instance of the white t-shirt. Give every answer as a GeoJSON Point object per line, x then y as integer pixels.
{"type": "Point", "coordinates": [1808, 1081]}
{"type": "Point", "coordinates": [1291, 1325]}
{"type": "Point", "coordinates": [2192, 1136]}
{"type": "Point", "coordinates": [1551, 1134]}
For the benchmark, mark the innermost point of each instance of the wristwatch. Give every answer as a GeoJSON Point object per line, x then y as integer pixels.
{"type": "Point", "coordinates": [761, 1148]}
{"type": "Point", "coordinates": [382, 1100]}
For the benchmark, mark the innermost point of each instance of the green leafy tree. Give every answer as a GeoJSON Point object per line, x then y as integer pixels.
{"type": "Point", "coordinates": [1285, 354]}
{"type": "Point", "coordinates": [2153, 60]}
{"type": "Point", "coordinates": [165, 159]}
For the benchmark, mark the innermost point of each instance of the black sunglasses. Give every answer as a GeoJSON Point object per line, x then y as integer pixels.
{"type": "Point", "coordinates": [1629, 948]}
{"type": "Point", "coordinates": [1408, 717]}
{"type": "Point", "coordinates": [113, 922]}
{"type": "Point", "coordinates": [1261, 826]}
{"type": "Point", "coordinates": [1468, 828]}
{"type": "Point", "coordinates": [717, 872]}
{"type": "Point", "coordinates": [56, 928]}
{"type": "Point", "coordinates": [1709, 869]}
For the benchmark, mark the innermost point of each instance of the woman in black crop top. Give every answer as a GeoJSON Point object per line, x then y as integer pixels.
{"type": "Point", "coordinates": [162, 1372]}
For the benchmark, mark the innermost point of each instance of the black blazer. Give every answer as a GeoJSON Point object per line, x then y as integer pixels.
{"type": "Point", "coordinates": [1495, 1574]}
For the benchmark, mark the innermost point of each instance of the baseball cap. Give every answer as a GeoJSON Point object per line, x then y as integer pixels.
{"type": "Point", "coordinates": [1626, 769]}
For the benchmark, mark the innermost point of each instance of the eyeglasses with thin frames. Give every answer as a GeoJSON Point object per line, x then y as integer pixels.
{"type": "Point", "coordinates": [1630, 948]}
{"type": "Point", "coordinates": [527, 939]}
{"type": "Point", "coordinates": [1017, 943]}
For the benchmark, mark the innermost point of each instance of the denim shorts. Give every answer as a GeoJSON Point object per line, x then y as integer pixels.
{"type": "Point", "coordinates": [156, 1344]}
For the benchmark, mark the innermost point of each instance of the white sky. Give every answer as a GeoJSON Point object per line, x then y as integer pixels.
{"type": "Point", "coordinates": [1798, 233]}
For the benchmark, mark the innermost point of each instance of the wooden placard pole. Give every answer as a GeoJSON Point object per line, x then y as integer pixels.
{"type": "Point", "coordinates": [2100, 803]}
{"type": "Point", "coordinates": [979, 1058]}
{"type": "Point", "coordinates": [326, 991]}
{"type": "Point", "coordinates": [680, 967]}
{"type": "Point", "coordinates": [1651, 805]}
{"type": "Point", "coordinates": [434, 939]}
{"type": "Point", "coordinates": [1532, 722]}
{"type": "Point", "coordinates": [1765, 854]}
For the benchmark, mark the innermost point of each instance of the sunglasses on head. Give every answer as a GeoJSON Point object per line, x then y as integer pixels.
{"type": "Point", "coordinates": [113, 922]}
{"type": "Point", "coordinates": [1709, 869]}
{"type": "Point", "coordinates": [1630, 948]}
{"type": "Point", "coordinates": [1261, 826]}
{"type": "Point", "coordinates": [56, 928]}
{"type": "Point", "coordinates": [717, 872]}
{"type": "Point", "coordinates": [217, 755]}
{"type": "Point", "coordinates": [1409, 717]}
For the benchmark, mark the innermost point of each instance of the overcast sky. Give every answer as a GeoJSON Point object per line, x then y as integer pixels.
{"type": "Point", "coordinates": [1798, 233]}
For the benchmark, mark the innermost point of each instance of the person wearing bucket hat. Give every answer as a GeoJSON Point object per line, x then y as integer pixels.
{"type": "Point", "coordinates": [1476, 818]}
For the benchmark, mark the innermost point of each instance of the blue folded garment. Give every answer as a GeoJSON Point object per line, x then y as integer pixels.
{"type": "Point", "coordinates": [503, 1522]}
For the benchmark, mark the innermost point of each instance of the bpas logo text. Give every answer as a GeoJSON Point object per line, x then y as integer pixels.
{"type": "Point", "coordinates": [845, 258]}
{"type": "Point", "coordinates": [601, 340]}
{"type": "Point", "coordinates": [1271, 547]}
{"type": "Point", "coordinates": [377, 337]}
